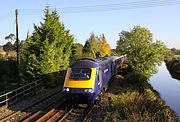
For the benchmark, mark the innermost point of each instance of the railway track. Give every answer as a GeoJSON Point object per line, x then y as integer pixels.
{"type": "Point", "coordinates": [47, 112]}
{"type": "Point", "coordinates": [60, 113]}
{"type": "Point", "coordinates": [77, 114]}
{"type": "Point", "coordinates": [37, 108]}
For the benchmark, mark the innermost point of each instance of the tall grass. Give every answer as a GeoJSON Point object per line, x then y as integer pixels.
{"type": "Point", "coordinates": [138, 102]}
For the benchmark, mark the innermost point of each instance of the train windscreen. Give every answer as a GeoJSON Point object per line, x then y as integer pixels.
{"type": "Point", "coordinates": [80, 74]}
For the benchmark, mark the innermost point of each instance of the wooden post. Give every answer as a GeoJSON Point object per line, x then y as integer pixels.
{"type": "Point", "coordinates": [6, 100]}
{"type": "Point", "coordinates": [17, 47]}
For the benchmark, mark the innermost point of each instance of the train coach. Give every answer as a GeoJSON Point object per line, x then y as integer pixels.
{"type": "Point", "coordinates": [88, 78]}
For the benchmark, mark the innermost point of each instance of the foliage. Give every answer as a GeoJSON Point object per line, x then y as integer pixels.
{"type": "Point", "coordinates": [7, 72]}
{"type": "Point", "coordinates": [76, 52]}
{"type": "Point", "coordinates": [175, 51]}
{"type": "Point", "coordinates": [11, 37]}
{"type": "Point", "coordinates": [133, 104]}
{"type": "Point", "coordinates": [105, 48]}
{"type": "Point", "coordinates": [88, 51]}
{"type": "Point", "coordinates": [1, 53]}
{"type": "Point", "coordinates": [143, 55]}
{"type": "Point", "coordinates": [8, 47]}
{"type": "Point", "coordinates": [91, 47]}
{"type": "Point", "coordinates": [96, 47]}
{"type": "Point", "coordinates": [48, 49]}
{"type": "Point", "coordinates": [177, 57]}
{"type": "Point", "coordinates": [174, 66]}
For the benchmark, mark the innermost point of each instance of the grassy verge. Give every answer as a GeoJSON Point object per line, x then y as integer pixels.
{"type": "Point", "coordinates": [138, 102]}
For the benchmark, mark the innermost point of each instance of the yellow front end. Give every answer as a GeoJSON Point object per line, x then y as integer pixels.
{"type": "Point", "coordinates": [70, 83]}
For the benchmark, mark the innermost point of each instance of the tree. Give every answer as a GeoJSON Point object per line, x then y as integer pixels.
{"type": "Point", "coordinates": [95, 44]}
{"type": "Point", "coordinates": [87, 50]}
{"type": "Point", "coordinates": [11, 37]}
{"type": "Point", "coordinates": [8, 47]}
{"type": "Point", "coordinates": [76, 51]}
{"type": "Point", "coordinates": [105, 48]}
{"type": "Point", "coordinates": [48, 49]}
{"type": "Point", "coordinates": [143, 55]}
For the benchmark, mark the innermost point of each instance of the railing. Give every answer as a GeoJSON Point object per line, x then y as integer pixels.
{"type": "Point", "coordinates": [14, 95]}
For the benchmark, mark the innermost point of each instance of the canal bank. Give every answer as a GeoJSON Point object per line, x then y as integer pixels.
{"type": "Point", "coordinates": [168, 87]}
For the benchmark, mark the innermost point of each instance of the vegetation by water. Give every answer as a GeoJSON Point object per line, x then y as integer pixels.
{"type": "Point", "coordinates": [143, 54]}
{"type": "Point", "coordinates": [136, 101]}
{"type": "Point", "coordinates": [173, 66]}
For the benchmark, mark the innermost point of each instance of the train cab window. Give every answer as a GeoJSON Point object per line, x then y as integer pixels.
{"type": "Point", "coordinates": [80, 74]}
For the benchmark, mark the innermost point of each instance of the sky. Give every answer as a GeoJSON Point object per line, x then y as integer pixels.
{"type": "Point", "coordinates": [83, 17]}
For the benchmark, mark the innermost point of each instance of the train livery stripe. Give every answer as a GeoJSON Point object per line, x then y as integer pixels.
{"type": "Point", "coordinates": [80, 83]}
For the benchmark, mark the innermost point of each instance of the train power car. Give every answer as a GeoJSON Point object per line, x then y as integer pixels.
{"type": "Point", "coordinates": [87, 78]}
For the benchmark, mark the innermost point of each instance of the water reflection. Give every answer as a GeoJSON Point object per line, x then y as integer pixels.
{"type": "Point", "coordinates": [168, 88]}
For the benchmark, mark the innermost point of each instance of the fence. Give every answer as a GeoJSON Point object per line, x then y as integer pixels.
{"type": "Point", "coordinates": [13, 96]}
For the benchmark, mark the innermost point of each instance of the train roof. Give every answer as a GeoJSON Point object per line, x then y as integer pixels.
{"type": "Point", "coordinates": [86, 63]}
{"type": "Point", "coordinates": [92, 62]}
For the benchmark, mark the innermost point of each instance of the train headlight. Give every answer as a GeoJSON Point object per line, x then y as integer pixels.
{"type": "Point", "coordinates": [66, 89]}
{"type": "Point", "coordinates": [88, 90]}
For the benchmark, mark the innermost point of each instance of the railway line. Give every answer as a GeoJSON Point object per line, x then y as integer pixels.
{"type": "Point", "coordinates": [35, 109]}
{"type": "Point", "coordinates": [60, 113]}
{"type": "Point", "coordinates": [51, 108]}
{"type": "Point", "coordinates": [77, 114]}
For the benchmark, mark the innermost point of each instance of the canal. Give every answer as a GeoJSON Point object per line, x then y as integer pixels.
{"type": "Point", "coordinates": [168, 87]}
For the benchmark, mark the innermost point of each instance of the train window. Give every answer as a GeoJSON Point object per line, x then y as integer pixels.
{"type": "Point", "coordinates": [80, 74]}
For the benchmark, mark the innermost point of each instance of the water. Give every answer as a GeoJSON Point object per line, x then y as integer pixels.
{"type": "Point", "coordinates": [168, 88]}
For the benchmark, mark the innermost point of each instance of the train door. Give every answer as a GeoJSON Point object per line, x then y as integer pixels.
{"type": "Point", "coordinates": [100, 78]}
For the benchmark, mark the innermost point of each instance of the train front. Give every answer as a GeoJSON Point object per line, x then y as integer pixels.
{"type": "Point", "coordinates": [80, 81]}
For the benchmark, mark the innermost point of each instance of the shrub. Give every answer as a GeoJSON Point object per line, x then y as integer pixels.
{"type": "Point", "coordinates": [135, 106]}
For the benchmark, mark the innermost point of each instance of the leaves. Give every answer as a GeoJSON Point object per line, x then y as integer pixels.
{"type": "Point", "coordinates": [48, 49]}
{"type": "Point", "coordinates": [96, 47]}
{"type": "Point", "coordinates": [105, 48]}
{"type": "Point", "coordinates": [10, 37]}
{"type": "Point", "coordinates": [143, 55]}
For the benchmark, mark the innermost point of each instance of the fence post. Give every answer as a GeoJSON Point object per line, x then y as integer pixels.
{"type": "Point", "coordinates": [16, 95]}
{"type": "Point", "coordinates": [7, 100]}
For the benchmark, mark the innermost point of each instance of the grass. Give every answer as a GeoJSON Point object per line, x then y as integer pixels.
{"type": "Point", "coordinates": [138, 102]}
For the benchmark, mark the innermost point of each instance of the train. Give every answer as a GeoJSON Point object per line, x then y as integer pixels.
{"type": "Point", "coordinates": [88, 78]}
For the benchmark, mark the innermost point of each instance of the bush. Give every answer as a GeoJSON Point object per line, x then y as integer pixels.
{"type": "Point", "coordinates": [138, 101]}
{"type": "Point", "coordinates": [7, 73]}
{"type": "Point", "coordinates": [136, 106]}
{"type": "Point", "coordinates": [53, 79]}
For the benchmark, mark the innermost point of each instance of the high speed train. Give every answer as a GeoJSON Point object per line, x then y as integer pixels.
{"type": "Point", "coordinates": [87, 78]}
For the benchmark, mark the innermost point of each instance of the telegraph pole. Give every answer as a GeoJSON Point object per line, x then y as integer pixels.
{"type": "Point", "coordinates": [17, 47]}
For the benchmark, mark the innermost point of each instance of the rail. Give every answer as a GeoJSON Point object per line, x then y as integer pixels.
{"type": "Point", "coordinates": [14, 95]}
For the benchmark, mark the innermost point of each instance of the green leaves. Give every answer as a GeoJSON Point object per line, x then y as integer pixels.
{"type": "Point", "coordinates": [96, 47]}
{"type": "Point", "coordinates": [48, 49]}
{"type": "Point", "coordinates": [143, 55]}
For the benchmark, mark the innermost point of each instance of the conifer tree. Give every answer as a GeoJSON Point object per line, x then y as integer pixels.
{"type": "Point", "coordinates": [48, 49]}
{"type": "Point", "coordinates": [88, 51]}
